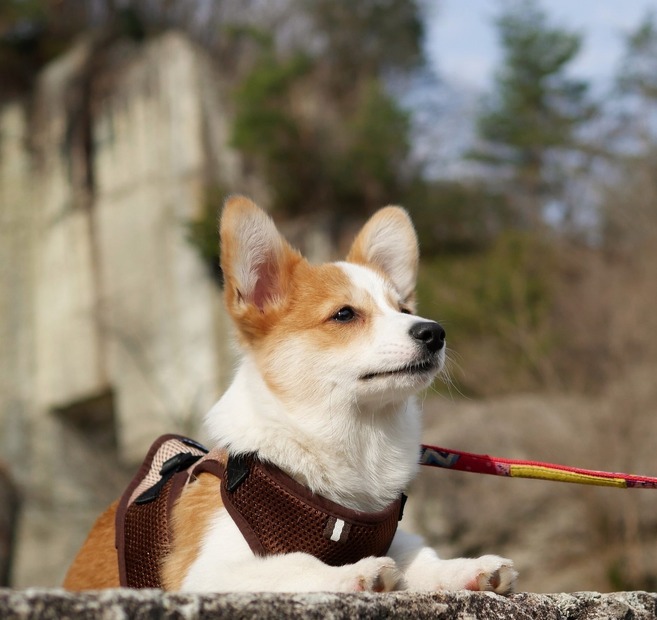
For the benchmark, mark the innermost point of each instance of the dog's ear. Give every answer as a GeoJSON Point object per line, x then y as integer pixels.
{"type": "Point", "coordinates": [388, 243]}
{"type": "Point", "coordinates": [255, 259]}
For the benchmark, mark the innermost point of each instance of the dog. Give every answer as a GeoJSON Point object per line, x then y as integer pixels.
{"type": "Point", "coordinates": [333, 356]}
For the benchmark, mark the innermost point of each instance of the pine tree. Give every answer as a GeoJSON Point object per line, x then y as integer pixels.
{"type": "Point", "coordinates": [629, 217]}
{"type": "Point", "coordinates": [531, 120]}
{"type": "Point", "coordinates": [637, 81]}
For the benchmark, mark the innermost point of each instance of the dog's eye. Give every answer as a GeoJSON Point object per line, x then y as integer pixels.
{"type": "Point", "coordinates": [404, 310]}
{"type": "Point", "coordinates": [344, 315]}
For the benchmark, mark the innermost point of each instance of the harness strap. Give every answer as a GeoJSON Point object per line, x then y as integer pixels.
{"type": "Point", "coordinates": [276, 514]}
{"type": "Point", "coordinates": [143, 535]}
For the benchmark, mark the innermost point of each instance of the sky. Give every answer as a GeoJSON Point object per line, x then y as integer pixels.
{"type": "Point", "coordinates": [462, 43]}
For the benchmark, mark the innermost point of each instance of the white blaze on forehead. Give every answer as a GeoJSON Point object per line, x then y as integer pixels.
{"type": "Point", "coordinates": [381, 291]}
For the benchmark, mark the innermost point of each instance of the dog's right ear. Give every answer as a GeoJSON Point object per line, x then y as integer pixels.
{"type": "Point", "coordinates": [388, 242]}
{"type": "Point", "coordinates": [255, 259]}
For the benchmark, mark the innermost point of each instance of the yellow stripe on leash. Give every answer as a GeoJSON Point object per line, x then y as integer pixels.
{"type": "Point", "coordinates": [560, 475]}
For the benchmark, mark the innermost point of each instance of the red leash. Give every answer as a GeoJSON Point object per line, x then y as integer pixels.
{"type": "Point", "coordinates": [434, 456]}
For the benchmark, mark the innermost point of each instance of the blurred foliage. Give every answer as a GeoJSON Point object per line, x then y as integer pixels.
{"type": "Point", "coordinates": [34, 32]}
{"type": "Point", "coordinates": [203, 232]}
{"type": "Point", "coordinates": [26, 42]}
{"type": "Point", "coordinates": [326, 140]}
{"type": "Point", "coordinates": [627, 210]}
{"type": "Point", "coordinates": [266, 130]}
{"type": "Point", "coordinates": [456, 217]}
{"type": "Point", "coordinates": [370, 170]}
{"type": "Point", "coordinates": [355, 39]}
{"type": "Point", "coordinates": [638, 73]}
{"type": "Point", "coordinates": [536, 108]}
{"type": "Point", "coordinates": [495, 306]}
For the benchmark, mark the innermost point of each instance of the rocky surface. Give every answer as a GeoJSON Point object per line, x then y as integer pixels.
{"type": "Point", "coordinates": [35, 604]}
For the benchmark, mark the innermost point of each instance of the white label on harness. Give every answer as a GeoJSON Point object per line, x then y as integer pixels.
{"type": "Point", "coordinates": [337, 530]}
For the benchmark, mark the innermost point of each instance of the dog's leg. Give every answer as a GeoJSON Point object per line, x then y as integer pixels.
{"type": "Point", "coordinates": [295, 572]}
{"type": "Point", "coordinates": [422, 569]}
{"type": "Point", "coordinates": [225, 562]}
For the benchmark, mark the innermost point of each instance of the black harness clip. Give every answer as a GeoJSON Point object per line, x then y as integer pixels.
{"type": "Point", "coordinates": [237, 470]}
{"type": "Point", "coordinates": [178, 462]}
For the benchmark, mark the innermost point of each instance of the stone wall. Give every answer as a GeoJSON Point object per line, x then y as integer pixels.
{"type": "Point", "coordinates": [111, 331]}
{"type": "Point", "coordinates": [56, 604]}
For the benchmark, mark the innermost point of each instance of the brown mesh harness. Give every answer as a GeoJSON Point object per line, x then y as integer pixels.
{"type": "Point", "coordinates": [274, 513]}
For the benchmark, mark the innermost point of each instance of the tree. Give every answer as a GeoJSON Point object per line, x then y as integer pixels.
{"type": "Point", "coordinates": [638, 74]}
{"type": "Point", "coordinates": [628, 210]}
{"type": "Point", "coordinates": [33, 32]}
{"type": "Point", "coordinates": [530, 122]}
{"type": "Point", "coordinates": [355, 38]}
{"type": "Point", "coordinates": [316, 119]}
{"type": "Point", "coordinates": [636, 82]}
{"type": "Point", "coordinates": [269, 133]}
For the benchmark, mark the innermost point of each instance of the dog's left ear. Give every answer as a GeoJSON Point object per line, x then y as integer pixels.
{"type": "Point", "coordinates": [255, 258]}
{"type": "Point", "coordinates": [388, 243]}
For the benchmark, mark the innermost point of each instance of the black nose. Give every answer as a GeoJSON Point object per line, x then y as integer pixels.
{"type": "Point", "coordinates": [429, 334]}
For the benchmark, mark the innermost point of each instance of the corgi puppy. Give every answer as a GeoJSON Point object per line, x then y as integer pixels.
{"type": "Point", "coordinates": [332, 358]}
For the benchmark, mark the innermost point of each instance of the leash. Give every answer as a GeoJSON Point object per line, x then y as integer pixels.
{"type": "Point", "coordinates": [434, 456]}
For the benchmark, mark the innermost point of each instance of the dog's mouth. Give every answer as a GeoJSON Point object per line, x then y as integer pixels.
{"type": "Point", "coordinates": [417, 368]}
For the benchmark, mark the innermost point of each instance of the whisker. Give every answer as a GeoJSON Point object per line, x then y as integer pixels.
{"type": "Point", "coordinates": [447, 376]}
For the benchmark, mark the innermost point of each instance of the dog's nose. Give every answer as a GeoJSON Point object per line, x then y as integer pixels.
{"type": "Point", "coordinates": [429, 334]}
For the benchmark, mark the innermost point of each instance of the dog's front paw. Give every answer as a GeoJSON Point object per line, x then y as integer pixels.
{"type": "Point", "coordinates": [494, 574]}
{"type": "Point", "coordinates": [370, 575]}
{"type": "Point", "coordinates": [489, 572]}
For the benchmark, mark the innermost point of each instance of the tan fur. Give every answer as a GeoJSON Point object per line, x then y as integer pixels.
{"type": "Point", "coordinates": [191, 514]}
{"type": "Point", "coordinates": [318, 292]}
{"type": "Point", "coordinates": [96, 565]}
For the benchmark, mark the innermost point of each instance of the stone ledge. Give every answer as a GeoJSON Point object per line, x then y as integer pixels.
{"type": "Point", "coordinates": [37, 604]}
